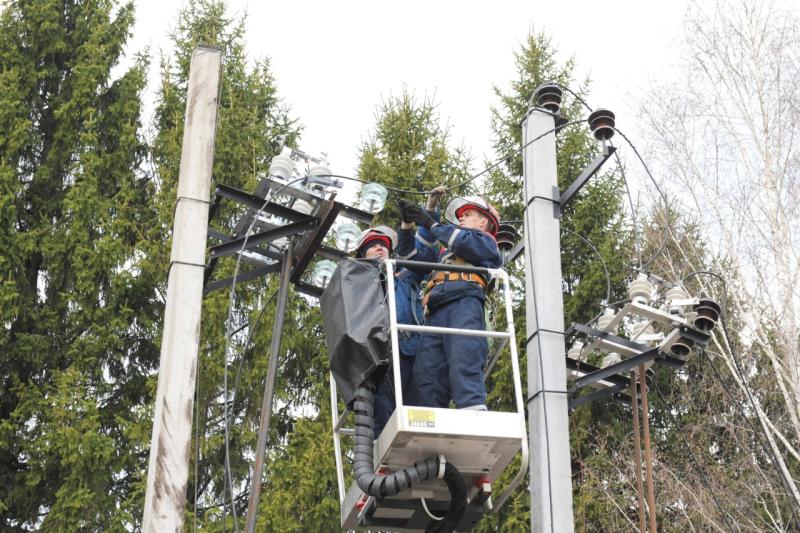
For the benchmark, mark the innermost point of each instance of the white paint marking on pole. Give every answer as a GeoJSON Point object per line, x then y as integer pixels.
{"type": "Point", "coordinates": [551, 480]}
{"type": "Point", "coordinates": [168, 470]}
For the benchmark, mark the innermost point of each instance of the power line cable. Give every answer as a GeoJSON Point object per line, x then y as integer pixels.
{"type": "Point", "coordinates": [660, 192]}
{"type": "Point", "coordinates": [241, 362]}
{"type": "Point", "coordinates": [636, 237]}
{"type": "Point", "coordinates": [602, 261]}
{"type": "Point", "coordinates": [472, 178]}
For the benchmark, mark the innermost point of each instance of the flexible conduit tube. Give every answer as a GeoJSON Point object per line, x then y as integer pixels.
{"type": "Point", "coordinates": [366, 478]}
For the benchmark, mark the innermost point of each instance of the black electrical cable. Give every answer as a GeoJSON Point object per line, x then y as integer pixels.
{"type": "Point", "coordinates": [711, 491]}
{"type": "Point", "coordinates": [724, 301]}
{"type": "Point", "coordinates": [660, 192]}
{"type": "Point", "coordinates": [241, 362]}
{"type": "Point", "coordinates": [458, 502]}
{"type": "Point", "coordinates": [472, 178]}
{"type": "Point", "coordinates": [196, 442]}
{"type": "Point", "coordinates": [636, 237]}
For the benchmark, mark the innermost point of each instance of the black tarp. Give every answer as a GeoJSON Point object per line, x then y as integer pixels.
{"type": "Point", "coordinates": [356, 319]}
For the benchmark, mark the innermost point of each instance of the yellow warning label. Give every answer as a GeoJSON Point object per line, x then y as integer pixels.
{"type": "Point", "coordinates": [421, 418]}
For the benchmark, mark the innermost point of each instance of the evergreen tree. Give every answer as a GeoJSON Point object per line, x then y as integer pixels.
{"type": "Point", "coordinates": [79, 312]}
{"type": "Point", "coordinates": [409, 151]}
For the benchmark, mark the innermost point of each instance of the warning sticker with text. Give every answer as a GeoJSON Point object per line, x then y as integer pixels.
{"type": "Point", "coordinates": [421, 418]}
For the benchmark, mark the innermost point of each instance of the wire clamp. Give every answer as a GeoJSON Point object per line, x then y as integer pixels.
{"type": "Point", "coordinates": [442, 463]}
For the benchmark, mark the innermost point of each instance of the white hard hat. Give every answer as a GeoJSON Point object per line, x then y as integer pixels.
{"type": "Point", "coordinates": [457, 205]}
{"type": "Point", "coordinates": [385, 234]}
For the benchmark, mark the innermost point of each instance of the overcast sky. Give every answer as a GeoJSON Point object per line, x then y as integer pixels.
{"type": "Point", "coordinates": [334, 61]}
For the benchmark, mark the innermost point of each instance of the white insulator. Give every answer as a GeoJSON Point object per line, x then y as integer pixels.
{"type": "Point", "coordinates": [640, 290]}
{"type": "Point", "coordinates": [604, 321]}
{"type": "Point", "coordinates": [282, 166]}
{"type": "Point", "coordinates": [323, 271]}
{"type": "Point", "coordinates": [319, 170]}
{"type": "Point", "coordinates": [373, 197]}
{"type": "Point", "coordinates": [347, 236]}
{"type": "Point", "coordinates": [611, 358]}
{"type": "Point", "coordinates": [575, 351]}
{"type": "Point", "coordinates": [675, 293]}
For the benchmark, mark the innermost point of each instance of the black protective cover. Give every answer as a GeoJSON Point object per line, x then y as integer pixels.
{"type": "Point", "coordinates": [355, 314]}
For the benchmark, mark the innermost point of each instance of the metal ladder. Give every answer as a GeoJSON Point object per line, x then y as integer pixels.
{"type": "Point", "coordinates": [481, 444]}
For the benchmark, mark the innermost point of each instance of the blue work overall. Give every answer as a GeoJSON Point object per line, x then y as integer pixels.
{"type": "Point", "coordinates": [450, 367]}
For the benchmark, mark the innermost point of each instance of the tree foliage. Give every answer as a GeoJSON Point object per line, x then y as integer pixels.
{"type": "Point", "coordinates": [78, 307]}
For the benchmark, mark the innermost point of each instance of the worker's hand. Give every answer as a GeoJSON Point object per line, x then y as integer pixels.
{"type": "Point", "coordinates": [416, 214]}
{"type": "Point", "coordinates": [434, 197]}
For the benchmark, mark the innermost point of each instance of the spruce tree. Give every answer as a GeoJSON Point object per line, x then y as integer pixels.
{"type": "Point", "coordinates": [79, 310]}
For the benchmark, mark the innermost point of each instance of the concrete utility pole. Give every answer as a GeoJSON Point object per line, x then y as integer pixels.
{"type": "Point", "coordinates": [168, 471]}
{"type": "Point", "coordinates": [551, 480]}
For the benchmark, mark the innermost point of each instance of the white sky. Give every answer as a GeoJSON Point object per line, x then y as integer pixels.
{"type": "Point", "coordinates": [334, 61]}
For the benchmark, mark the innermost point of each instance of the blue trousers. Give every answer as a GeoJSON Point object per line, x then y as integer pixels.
{"type": "Point", "coordinates": [451, 366]}
{"type": "Point", "coordinates": [383, 407]}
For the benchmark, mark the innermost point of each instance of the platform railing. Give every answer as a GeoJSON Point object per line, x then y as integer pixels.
{"type": "Point", "coordinates": [508, 337]}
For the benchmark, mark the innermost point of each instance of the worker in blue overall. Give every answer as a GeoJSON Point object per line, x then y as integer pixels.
{"type": "Point", "coordinates": [450, 367]}
{"type": "Point", "coordinates": [379, 243]}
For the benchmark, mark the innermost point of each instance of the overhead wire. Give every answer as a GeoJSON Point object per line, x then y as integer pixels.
{"type": "Point", "coordinates": [471, 178]}
{"type": "Point", "coordinates": [636, 238]}
{"type": "Point", "coordinates": [665, 239]}
{"type": "Point", "coordinates": [602, 261]}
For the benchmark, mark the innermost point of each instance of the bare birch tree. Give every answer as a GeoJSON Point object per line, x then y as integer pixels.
{"type": "Point", "coordinates": [727, 135]}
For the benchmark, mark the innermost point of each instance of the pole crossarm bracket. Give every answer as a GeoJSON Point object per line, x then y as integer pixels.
{"type": "Point", "coordinates": [234, 246]}
{"type": "Point", "coordinates": [584, 176]}
{"type": "Point", "coordinates": [253, 201]}
{"type": "Point", "coordinates": [243, 276]}
{"type": "Point", "coordinates": [616, 369]}
{"type": "Point", "coordinates": [328, 211]}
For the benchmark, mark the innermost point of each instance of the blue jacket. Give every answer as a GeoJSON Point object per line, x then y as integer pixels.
{"type": "Point", "coordinates": [476, 247]}
{"type": "Point", "coordinates": [419, 247]}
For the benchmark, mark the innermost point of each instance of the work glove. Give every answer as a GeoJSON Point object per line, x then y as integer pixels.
{"type": "Point", "coordinates": [413, 213]}
{"type": "Point", "coordinates": [404, 216]}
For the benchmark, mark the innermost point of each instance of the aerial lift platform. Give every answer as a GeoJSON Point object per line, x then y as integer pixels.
{"type": "Point", "coordinates": [481, 444]}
